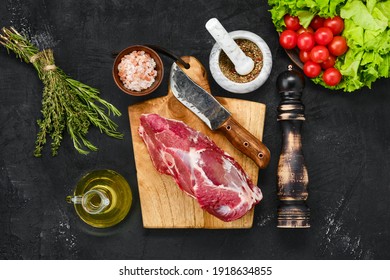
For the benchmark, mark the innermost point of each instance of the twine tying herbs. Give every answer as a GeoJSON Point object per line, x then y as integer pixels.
{"type": "Point", "coordinates": [34, 57]}
{"type": "Point", "coordinates": [66, 103]}
{"type": "Point", "coordinates": [50, 67]}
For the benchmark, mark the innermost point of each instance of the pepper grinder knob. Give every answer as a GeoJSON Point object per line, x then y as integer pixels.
{"type": "Point", "coordinates": [292, 172]}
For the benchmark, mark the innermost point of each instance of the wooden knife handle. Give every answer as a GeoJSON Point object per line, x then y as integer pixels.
{"type": "Point", "coordinates": [245, 142]}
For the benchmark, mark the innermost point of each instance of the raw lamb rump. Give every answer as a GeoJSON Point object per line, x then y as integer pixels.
{"type": "Point", "coordinates": [199, 167]}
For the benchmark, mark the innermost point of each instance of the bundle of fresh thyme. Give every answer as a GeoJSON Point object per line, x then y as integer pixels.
{"type": "Point", "coordinates": [66, 103]}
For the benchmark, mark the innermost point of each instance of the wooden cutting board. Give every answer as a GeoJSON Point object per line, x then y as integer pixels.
{"type": "Point", "coordinates": [163, 204]}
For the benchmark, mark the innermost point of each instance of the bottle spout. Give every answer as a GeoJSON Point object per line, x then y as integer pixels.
{"type": "Point", "coordinates": [74, 199]}
{"type": "Point", "coordinates": [93, 201]}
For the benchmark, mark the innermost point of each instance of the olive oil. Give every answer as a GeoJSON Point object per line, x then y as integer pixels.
{"type": "Point", "coordinates": [102, 198]}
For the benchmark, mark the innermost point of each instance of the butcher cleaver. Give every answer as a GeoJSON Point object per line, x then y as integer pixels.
{"type": "Point", "coordinates": [216, 117]}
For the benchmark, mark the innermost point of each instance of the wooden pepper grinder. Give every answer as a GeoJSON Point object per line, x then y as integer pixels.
{"type": "Point", "coordinates": [292, 173]}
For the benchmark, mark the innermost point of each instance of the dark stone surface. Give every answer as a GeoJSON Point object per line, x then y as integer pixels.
{"type": "Point", "coordinates": [346, 141]}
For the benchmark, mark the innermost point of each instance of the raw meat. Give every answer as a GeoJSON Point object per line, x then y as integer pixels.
{"type": "Point", "coordinates": [199, 167]}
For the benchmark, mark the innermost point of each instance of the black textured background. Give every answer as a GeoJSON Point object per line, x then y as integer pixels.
{"type": "Point", "coordinates": [345, 138]}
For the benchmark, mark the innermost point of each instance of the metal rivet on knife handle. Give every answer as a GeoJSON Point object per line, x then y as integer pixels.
{"type": "Point", "coordinates": [245, 142]}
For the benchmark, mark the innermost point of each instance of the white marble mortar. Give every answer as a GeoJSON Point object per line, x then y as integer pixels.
{"type": "Point", "coordinates": [234, 87]}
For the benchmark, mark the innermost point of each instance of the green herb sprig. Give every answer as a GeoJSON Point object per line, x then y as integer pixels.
{"type": "Point", "coordinates": [66, 103]}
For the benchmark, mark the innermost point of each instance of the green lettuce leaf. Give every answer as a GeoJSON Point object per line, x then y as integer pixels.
{"type": "Point", "coordinates": [366, 29]}
{"type": "Point", "coordinates": [353, 33]}
{"type": "Point", "coordinates": [384, 68]}
{"type": "Point", "coordinates": [384, 7]}
{"type": "Point", "coordinates": [305, 17]}
{"type": "Point", "coordinates": [359, 13]}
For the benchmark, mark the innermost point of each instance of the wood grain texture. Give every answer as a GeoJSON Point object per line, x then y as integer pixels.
{"type": "Point", "coordinates": [245, 142]}
{"type": "Point", "coordinates": [163, 204]}
{"type": "Point", "coordinates": [292, 174]}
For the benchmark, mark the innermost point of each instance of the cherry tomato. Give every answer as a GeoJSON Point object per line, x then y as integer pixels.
{"type": "Point", "coordinates": [331, 76]}
{"type": "Point", "coordinates": [319, 54]}
{"type": "Point", "coordinates": [303, 29]}
{"type": "Point", "coordinates": [292, 23]}
{"type": "Point", "coordinates": [317, 22]}
{"type": "Point", "coordinates": [336, 24]}
{"type": "Point", "coordinates": [304, 56]}
{"type": "Point", "coordinates": [330, 62]}
{"type": "Point", "coordinates": [305, 41]}
{"type": "Point", "coordinates": [288, 39]}
{"type": "Point", "coordinates": [311, 69]}
{"type": "Point", "coordinates": [338, 46]}
{"type": "Point", "coordinates": [323, 36]}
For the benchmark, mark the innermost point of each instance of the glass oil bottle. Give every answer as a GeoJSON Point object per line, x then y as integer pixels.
{"type": "Point", "coordinates": [102, 198]}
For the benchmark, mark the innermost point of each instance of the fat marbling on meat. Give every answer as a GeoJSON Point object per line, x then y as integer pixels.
{"type": "Point", "coordinates": [200, 168]}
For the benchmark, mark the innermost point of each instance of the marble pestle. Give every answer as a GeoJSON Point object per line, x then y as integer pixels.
{"type": "Point", "coordinates": [242, 63]}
